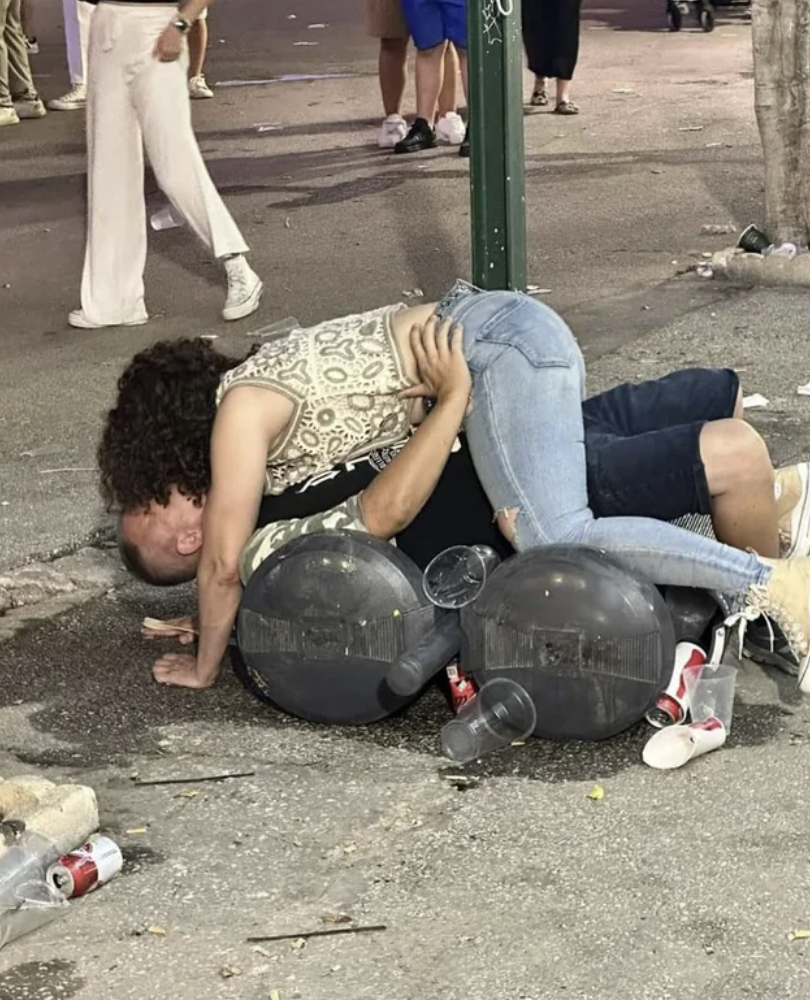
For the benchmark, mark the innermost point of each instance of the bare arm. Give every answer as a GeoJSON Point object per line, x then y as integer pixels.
{"type": "Point", "coordinates": [399, 493]}
{"type": "Point", "coordinates": [170, 44]}
{"type": "Point", "coordinates": [249, 420]}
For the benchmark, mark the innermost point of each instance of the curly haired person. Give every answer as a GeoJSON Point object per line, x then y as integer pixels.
{"type": "Point", "coordinates": [314, 398]}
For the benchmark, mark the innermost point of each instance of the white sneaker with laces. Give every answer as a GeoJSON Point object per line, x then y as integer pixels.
{"type": "Point", "coordinates": [198, 88]}
{"type": "Point", "coordinates": [785, 599]}
{"type": "Point", "coordinates": [450, 128]}
{"type": "Point", "coordinates": [244, 289]}
{"type": "Point", "coordinates": [74, 100]}
{"type": "Point", "coordinates": [393, 129]}
{"type": "Point", "coordinates": [30, 107]}
{"type": "Point", "coordinates": [8, 116]}
{"type": "Point", "coordinates": [79, 321]}
{"type": "Point", "coordinates": [792, 492]}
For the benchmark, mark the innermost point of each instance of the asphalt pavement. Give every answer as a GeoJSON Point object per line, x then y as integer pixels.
{"type": "Point", "coordinates": [515, 885]}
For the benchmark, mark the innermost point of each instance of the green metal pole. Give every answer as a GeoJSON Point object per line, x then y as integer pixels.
{"type": "Point", "coordinates": [497, 173]}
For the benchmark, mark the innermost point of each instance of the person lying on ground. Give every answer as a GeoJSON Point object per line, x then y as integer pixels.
{"type": "Point", "coordinates": [311, 399]}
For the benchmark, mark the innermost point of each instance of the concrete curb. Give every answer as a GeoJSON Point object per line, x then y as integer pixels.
{"type": "Point", "coordinates": [743, 268]}
{"type": "Point", "coordinates": [66, 815]}
{"type": "Point", "coordinates": [43, 590]}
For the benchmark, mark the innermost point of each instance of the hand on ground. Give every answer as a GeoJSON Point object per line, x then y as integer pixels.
{"type": "Point", "coordinates": [179, 670]}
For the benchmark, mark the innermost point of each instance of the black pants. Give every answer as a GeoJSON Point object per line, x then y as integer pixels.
{"type": "Point", "coordinates": [551, 36]}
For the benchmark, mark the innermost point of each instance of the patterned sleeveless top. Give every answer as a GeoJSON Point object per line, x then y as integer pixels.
{"type": "Point", "coordinates": [343, 377]}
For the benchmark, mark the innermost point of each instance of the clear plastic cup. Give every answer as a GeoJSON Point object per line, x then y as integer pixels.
{"type": "Point", "coordinates": [278, 329]}
{"type": "Point", "coordinates": [499, 714]}
{"type": "Point", "coordinates": [710, 692]}
{"type": "Point", "coordinates": [166, 218]}
{"type": "Point", "coordinates": [454, 578]}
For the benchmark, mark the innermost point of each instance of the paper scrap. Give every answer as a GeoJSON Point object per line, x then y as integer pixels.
{"type": "Point", "coordinates": [596, 794]}
{"type": "Point", "coordinates": [537, 290]}
{"type": "Point", "coordinates": [804, 390]}
{"type": "Point", "coordinates": [192, 793]}
{"type": "Point", "coordinates": [136, 830]}
{"type": "Point", "coordinates": [691, 128]}
{"type": "Point", "coordinates": [305, 43]}
{"type": "Point", "coordinates": [275, 995]}
{"type": "Point", "coordinates": [157, 930]}
{"type": "Point", "coordinates": [800, 935]}
{"type": "Point", "coordinates": [229, 971]}
{"type": "Point", "coordinates": [299, 944]}
{"type": "Point", "coordinates": [318, 25]}
{"type": "Point", "coordinates": [755, 401]}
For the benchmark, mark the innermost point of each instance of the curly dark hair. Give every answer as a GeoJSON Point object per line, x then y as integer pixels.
{"type": "Point", "coordinates": [158, 433]}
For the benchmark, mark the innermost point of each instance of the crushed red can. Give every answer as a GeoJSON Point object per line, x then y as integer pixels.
{"type": "Point", "coordinates": [85, 869]}
{"type": "Point", "coordinates": [462, 687]}
{"type": "Point", "coordinates": [672, 706]}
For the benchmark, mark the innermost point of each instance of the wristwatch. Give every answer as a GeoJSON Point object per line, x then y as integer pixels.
{"type": "Point", "coordinates": [182, 25]}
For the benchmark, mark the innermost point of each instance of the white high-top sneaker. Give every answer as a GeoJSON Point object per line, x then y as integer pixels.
{"type": "Point", "coordinates": [785, 599]}
{"type": "Point", "coordinates": [74, 100]}
{"type": "Point", "coordinates": [244, 289]}
{"type": "Point", "coordinates": [792, 490]}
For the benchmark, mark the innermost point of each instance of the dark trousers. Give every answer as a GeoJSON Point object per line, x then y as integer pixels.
{"type": "Point", "coordinates": [551, 36]}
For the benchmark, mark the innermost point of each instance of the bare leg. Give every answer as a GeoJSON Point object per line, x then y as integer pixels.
{"type": "Point", "coordinates": [563, 91]}
{"type": "Point", "coordinates": [740, 477]}
{"type": "Point", "coordinates": [429, 65]}
{"type": "Point", "coordinates": [541, 84]}
{"type": "Point", "coordinates": [393, 73]}
{"type": "Point", "coordinates": [197, 48]}
{"type": "Point", "coordinates": [462, 62]}
{"type": "Point", "coordinates": [448, 95]}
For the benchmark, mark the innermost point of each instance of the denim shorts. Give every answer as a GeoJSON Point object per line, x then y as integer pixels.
{"type": "Point", "coordinates": [642, 442]}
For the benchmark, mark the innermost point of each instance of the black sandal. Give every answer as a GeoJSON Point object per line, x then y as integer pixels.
{"type": "Point", "coordinates": [566, 108]}
{"type": "Point", "coordinates": [539, 99]}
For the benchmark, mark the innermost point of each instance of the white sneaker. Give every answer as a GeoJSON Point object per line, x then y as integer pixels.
{"type": "Point", "coordinates": [244, 289]}
{"type": "Point", "coordinates": [30, 108]}
{"type": "Point", "coordinates": [8, 116]}
{"type": "Point", "coordinates": [78, 320]}
{"type": "Point", "coordinates": [74, 100]}
{"type": "Point", "coordinates": [792, 491]}
{"type": "Point", "coordinates": [198, 88]}
{"type": "Point", "coordinates": [450, 128]}
{"type": "Point", "coordinates": [392, 131]}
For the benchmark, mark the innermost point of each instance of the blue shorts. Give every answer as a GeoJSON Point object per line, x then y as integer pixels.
{"type": "Point", "coordinates": [432, 22]}
{"type": "Point", "coordinates": [643, 443]}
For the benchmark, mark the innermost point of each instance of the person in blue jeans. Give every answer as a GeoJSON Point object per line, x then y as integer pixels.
{"type": "Point", "coordinates": [432, 24]}
{"type": "Point", "coordinates": [500, 364]}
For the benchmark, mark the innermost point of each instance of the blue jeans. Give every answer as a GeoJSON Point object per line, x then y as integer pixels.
{"type": "Point", "coordinates": [526, 438]}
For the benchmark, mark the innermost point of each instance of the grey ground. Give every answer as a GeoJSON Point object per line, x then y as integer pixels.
{"type": "Point", "coordinates": [521, 888]}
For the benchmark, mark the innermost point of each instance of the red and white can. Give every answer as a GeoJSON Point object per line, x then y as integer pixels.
{"type": "Point", "coordinates": [462, 687]}
{"type": "Point", "coordinates": [83, 870]}
{"type": "Point", "coordinates": [672, 706]}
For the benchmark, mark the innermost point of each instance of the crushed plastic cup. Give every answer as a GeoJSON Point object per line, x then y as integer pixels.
{"type": "Point", "coordinates": [454, 578]}
{"type": "Point", "coordinates": [710, 692]}
{"type": "Point", "coordinates": [166, 218]}
{"type": "Point", "coordinates": [675, 746]}
{"type": "Point", "coordinates": [501, 713]}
